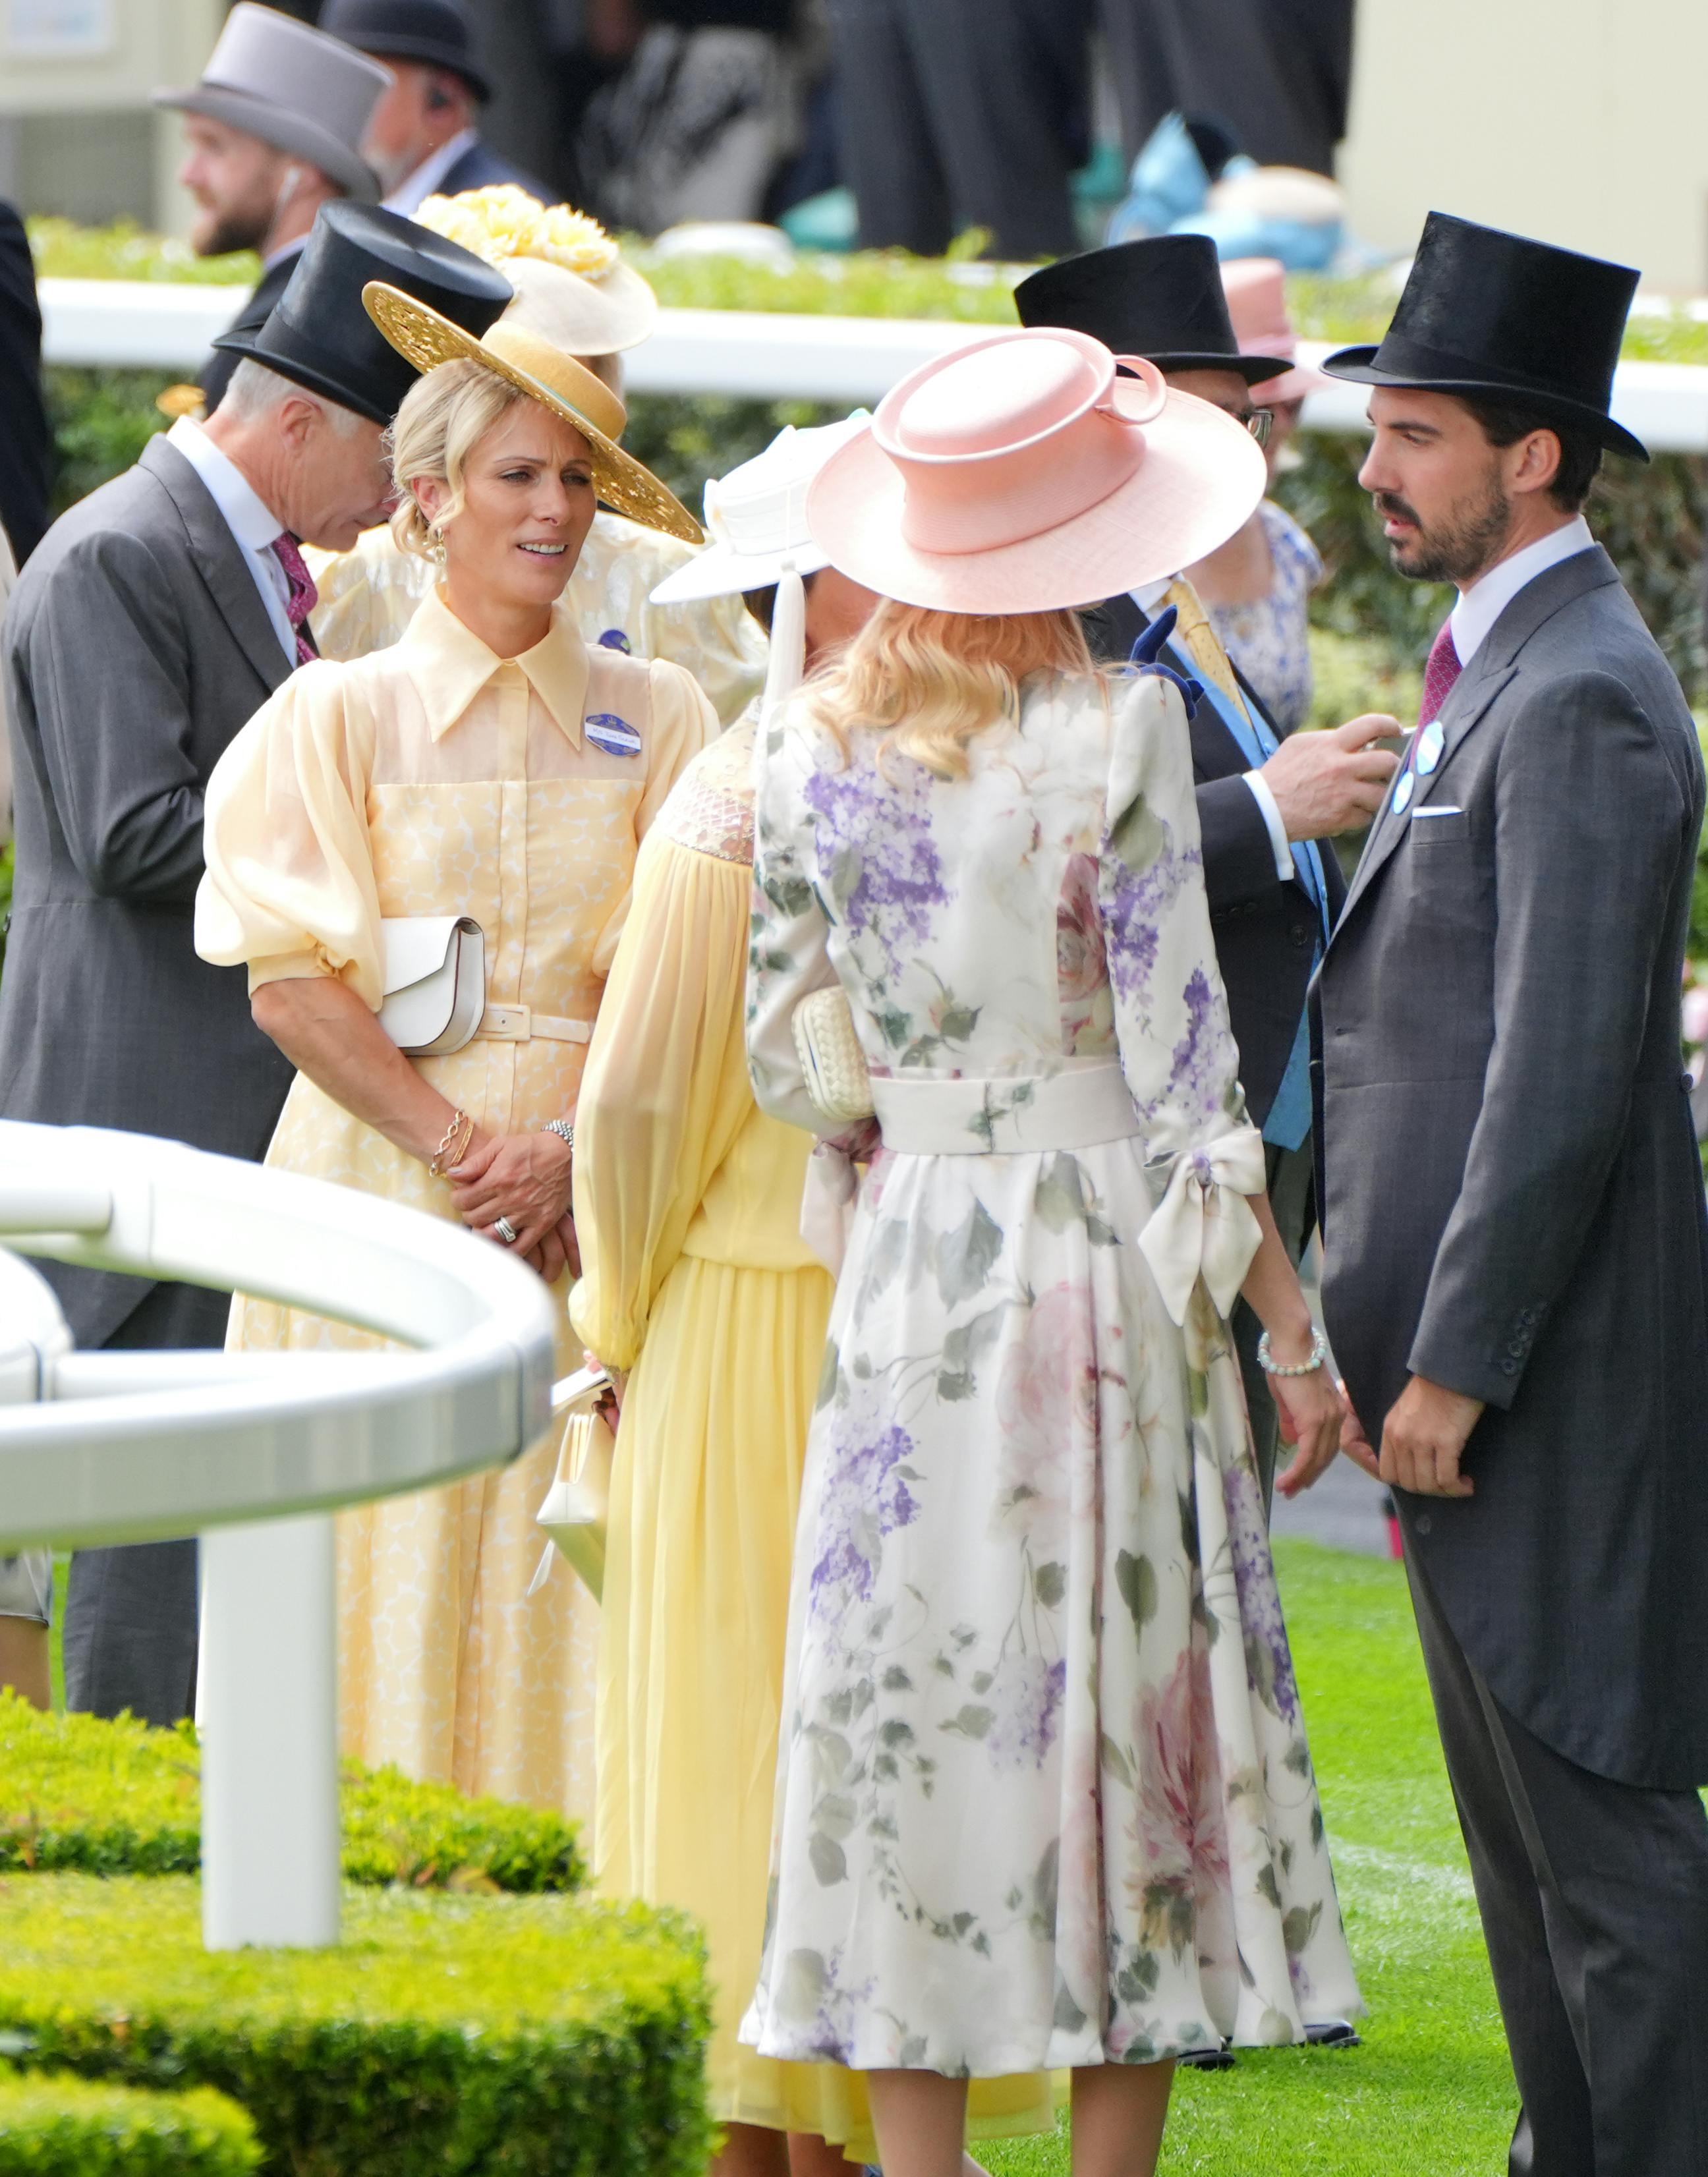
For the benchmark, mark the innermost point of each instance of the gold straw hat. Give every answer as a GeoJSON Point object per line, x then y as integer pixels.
{"type": "Point", "coordinates": [546, 374]}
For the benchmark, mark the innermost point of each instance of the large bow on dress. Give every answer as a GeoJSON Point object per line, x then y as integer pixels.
{"type": "Point", "coordinates": [1205, 1227]}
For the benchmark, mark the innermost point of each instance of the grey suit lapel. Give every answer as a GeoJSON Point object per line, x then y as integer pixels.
{"type": "Point", "coordinates": [220, 561]}
{"type": "Point", "coordinates": [1475, 690]}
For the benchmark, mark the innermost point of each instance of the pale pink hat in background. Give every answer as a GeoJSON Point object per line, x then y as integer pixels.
{"type": "Point", "coordinates": [1257, 292]}
{"type": "Point", "coordinates": [1019, 474]}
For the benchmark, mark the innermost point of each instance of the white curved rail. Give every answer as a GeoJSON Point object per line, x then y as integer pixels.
{"type": "Point", "coordinates": [127, 1446]}
{"type": "Point", "coordinates": [236, 1437]}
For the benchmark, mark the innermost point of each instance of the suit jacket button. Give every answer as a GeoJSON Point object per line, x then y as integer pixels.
{"type": "Point", "coordinates": [1299, 935]}
{"type": "Point", "coordinates": [1508, 1367]}
{"type": "Point", "coordinates": [1422, 1523]}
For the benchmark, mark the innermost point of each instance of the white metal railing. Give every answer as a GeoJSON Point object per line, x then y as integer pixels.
{"type": "Point", "coordinates": [755, 354]}
{"type": "Point", "coordinates": [254, 1451]}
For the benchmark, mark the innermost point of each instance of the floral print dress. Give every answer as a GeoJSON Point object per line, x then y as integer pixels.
{"type": "Point", "coordinates": [1045, 1797]}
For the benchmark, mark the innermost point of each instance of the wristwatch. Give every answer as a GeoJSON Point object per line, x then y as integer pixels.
{"type": "Point", "coordinates": [563, 1131]}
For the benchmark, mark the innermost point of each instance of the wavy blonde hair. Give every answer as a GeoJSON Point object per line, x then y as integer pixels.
{"type": "Point", "coordinates": [929, 681]}
{"type": "Point", "coordinates": [444, 417]}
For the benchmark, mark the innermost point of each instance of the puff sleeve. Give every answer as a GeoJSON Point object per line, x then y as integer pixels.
{"type": "Point", "coordinates": [289, 889]}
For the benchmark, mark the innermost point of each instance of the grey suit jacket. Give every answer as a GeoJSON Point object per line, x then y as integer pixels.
{"type": "Point", "coordinates": [1513, 1202]}
{"type": "Point", "coordinates": [136, 645]}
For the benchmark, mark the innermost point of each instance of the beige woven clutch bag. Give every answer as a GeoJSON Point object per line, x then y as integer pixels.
{"type": "Point", "coordinates": [831, 1057]}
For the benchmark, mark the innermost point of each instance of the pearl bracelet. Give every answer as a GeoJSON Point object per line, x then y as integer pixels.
{"type": "Point", "coordinates": [1319, 1354]}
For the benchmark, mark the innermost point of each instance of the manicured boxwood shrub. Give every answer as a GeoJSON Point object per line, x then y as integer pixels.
{"type": "Point", "coordinates": [63, 2126]}
{"type": "Point", "coordinates": [534, 2036]}
{"type": "Point", "coordinates": [80, 1793]}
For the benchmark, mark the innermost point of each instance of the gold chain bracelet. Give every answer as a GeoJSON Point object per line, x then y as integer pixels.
{"type": "Point", "coordinates": [453, 1144]}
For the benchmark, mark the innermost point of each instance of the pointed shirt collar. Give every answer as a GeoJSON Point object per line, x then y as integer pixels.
{"type": "Point", "coordinates": [1478, 608]}
{"type": "Point", "coordinates": [450, 665]}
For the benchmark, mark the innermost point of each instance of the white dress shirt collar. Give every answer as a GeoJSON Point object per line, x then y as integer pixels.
{"type": "Point", "coordinates": [413, 191]}
{"type": "Point", "coordinates": [1482, 605]}
{"type": "Point", "coordinates": [252, 524]}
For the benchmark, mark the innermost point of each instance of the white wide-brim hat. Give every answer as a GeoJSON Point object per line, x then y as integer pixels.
{"type": "Point", "coordinates": [756, 518]}
{"type": "Point", "coordinates": [1020, 474]}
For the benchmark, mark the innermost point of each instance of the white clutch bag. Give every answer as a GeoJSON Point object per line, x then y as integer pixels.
{"type": "Point", "coordinates": [576, 1507]}
{"type": "Point", "coordinates": [838, 1078]}
{"type": "Point", "coordinates": [434, 981]}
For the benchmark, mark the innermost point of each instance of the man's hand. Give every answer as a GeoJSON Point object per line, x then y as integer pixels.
{"type": "Point", "coordinates": [1424, 1438]}
{"type": "Point", "coordinates": [1332, 782]}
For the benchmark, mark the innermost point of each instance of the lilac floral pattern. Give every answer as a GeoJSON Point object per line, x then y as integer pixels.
{"type": "Point", "coordinates": [1044, 1794]}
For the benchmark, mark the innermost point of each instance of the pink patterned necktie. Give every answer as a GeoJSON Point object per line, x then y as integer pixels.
{"type": "Point", "coordinates": [1439, 674]}
{"type": "Point", "coordinates": [303, 596]}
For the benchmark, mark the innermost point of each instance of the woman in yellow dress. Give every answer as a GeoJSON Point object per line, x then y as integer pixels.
{"type": "Point", "coordinates": [573, 288]}
{"type": "Point", "coordinates": [489, 765]}
{"type": "Point", "coordinates": [688, 1207]}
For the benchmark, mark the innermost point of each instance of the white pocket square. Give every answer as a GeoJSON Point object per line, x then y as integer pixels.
{"type": "Point", "coordinates": [1438, 809]}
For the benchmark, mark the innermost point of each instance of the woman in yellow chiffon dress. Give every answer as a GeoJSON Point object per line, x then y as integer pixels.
{"type": "Point", "coordinates": [574, 289]}
{"type": "Point", "coordinates": [489, 765]}
{"type": "Point", "coordinates": [696, 1279]}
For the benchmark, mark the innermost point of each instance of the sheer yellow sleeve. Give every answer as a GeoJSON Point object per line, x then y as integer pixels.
{"type": "Point", "coordinates": [289, 886]}
{"type": "Point", "coordinates": [665, 1093]}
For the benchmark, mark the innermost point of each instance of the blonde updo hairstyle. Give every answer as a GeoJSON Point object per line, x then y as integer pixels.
{"type": "Point", "coordinates": [445, 416]}
{"type": "Point", "coordinates": [929, 681]}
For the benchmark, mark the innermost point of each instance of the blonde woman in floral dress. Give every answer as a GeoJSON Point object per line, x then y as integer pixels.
{"type": "Point", "coordinates": [1046, 1797]}
{"type": "Point", "coordinates": [574, 289]}
{"type": "Point", "coordinates": [490, 764]}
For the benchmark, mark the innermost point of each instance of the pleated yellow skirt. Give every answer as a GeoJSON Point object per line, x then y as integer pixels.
{"type": "Point", "coordinates": [701, 1531]}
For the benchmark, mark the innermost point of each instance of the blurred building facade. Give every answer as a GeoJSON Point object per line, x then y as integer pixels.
{"type": "Point", "coordinates": [1580, 121]}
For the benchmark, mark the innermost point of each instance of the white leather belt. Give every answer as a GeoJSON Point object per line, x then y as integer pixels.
{"type": "Point", "coordinates": [522, 1024]}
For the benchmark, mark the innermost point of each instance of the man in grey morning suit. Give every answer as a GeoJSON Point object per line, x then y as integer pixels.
{"type": "Point", "coordinates": [1516, 1253]}
{"type": "Point", "coordinates": [152, 619]}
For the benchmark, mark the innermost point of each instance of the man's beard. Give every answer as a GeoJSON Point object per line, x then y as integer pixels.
{"type": "Point", "coordinates": [230, 227]}
{"type": "Point", "coordinates": [1465, 542]}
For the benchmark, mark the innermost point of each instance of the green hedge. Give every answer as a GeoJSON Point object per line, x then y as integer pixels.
{"type": "Point", "coordinates": [58, 2126]}
{"type": "Point", "coordinates": [538, 2037]}
{"type": "Point", "coordinates": [78, 1792]}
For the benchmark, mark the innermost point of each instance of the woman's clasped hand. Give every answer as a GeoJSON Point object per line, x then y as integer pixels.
{"type": "Point", "coordinates": [523, 1179]}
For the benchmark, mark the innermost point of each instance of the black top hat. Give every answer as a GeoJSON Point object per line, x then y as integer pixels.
{"type": "Point", "coordinates": [438, 32]}
{"type": "Point", "coordinates": [320, 335]}
{"type": "Point", "coordinates": [1509, 319]}
{"type": "Point", "coordinates": [1161, 298]}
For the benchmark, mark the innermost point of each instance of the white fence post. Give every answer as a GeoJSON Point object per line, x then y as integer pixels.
{"type": "Point", "coordinates": [267, 1698]}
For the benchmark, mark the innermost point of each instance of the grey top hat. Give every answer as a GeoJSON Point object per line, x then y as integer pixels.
{"type": "Point", "coordinates": [295, 88]}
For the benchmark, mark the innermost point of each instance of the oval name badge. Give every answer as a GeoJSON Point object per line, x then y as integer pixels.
{"type": "Point", "coordinates": [1402, 792]}
{"type": "Point", "coordinates": [1430, 742]}
{"type": "Point", "coordinates": [615, 639]}
{"type": "Point", "coordinates": [614, 735]}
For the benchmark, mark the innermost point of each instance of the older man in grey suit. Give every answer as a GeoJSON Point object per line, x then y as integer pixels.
{"type": "Point", "coordinates": [151, 622]}
{"type": "Point", "coordinates": [1517, 1255]}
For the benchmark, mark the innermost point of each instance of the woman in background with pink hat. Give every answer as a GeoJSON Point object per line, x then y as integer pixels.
{"type": "Point", "coordinates": [1045, 1798]}
{"type": "Point", "coordinates": [1257, 587]}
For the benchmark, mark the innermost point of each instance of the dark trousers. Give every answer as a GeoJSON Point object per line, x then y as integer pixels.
{"type": "Point", "coordinates": [959, 113]}
{"type": "Point", "coordinates": [1594, 1897]}
{"type": "Point", "coordinates": [130, 1611]}
{"type": "Point", "coordinates": [1291, 1199]}
{"type": "Point", "coordinates": [1276, 73]}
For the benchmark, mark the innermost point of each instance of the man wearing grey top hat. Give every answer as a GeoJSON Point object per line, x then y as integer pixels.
{"type": "Point", "coordinates": [274, 130]}
{"type": "Point", "coordinates": [151, 623]}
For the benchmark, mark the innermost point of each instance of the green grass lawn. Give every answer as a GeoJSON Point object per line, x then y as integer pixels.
{"type": "Point", "coordinates": [1430, 2094]}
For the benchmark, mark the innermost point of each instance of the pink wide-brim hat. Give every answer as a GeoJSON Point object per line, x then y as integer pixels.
{"type": "Point", "coordinates": [1257, 292]}
{"type": "Point", "coordinates": [1020, 474]}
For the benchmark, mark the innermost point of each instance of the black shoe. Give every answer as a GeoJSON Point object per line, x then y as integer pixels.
{"type": "Point", "coordinates": [1221, 2058]}
{"type": "Point", "coordinates": [1333, 2033]}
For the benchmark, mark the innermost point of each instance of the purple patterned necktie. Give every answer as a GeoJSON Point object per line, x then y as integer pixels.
{"type": "Point", "coordinates": [303, 596]}
{"type": "Point", "coordinates": [1443, 670]}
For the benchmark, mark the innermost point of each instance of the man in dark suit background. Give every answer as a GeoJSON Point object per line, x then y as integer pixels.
{"type": "Point", "coordinates": [1268, 804]}
{"type": "Point", "coordinates": [424, 139]}
{"type": "Point", "coordinates": [25, 444]}
{"type": "Point", "coordinates": [155, 618]}
{"type": "Point", "coordinates": [272, 131]}
{"type": "Point", "coordinates": [1516, 1277]}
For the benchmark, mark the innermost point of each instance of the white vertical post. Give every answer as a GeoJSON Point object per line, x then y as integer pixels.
{"type": "Point", "coordinates": [268, 1706]}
